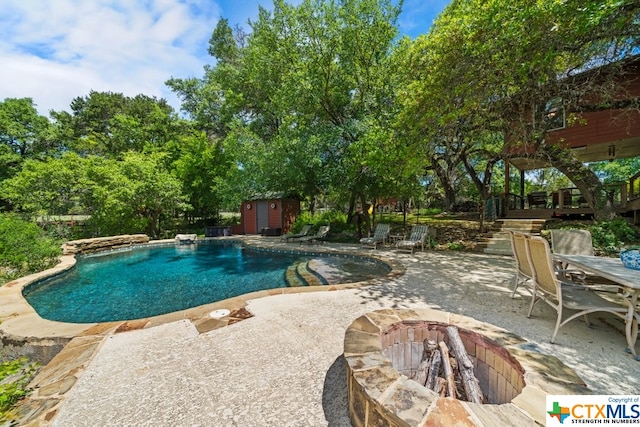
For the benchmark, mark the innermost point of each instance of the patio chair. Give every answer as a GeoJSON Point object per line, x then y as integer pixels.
{"type": "Point", "coordinates": [575, 242]}
{"type": "Point", "coordinates": [380, 236]}
{"type": "Point", "coordinates": [523, 268]}
{"type": "Point", "coordinates": [563, 294]}
{"type": "Point", "coordinates": [418, 237]}
{"type": "Point", "coordinates": [303, 232]}
{"type": "Point", "coordinates": [322, 233]}
{"type": "Point", "coordinates": [537, 199]}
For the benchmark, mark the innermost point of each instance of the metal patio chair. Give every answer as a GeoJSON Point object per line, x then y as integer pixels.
{"type": "Point", "coordinates": [523, 268]}
{"type": "Point", "coordinates": [322, 233]}
{"type": "Point", "coordinates": [561, 294]}
{"type": "Point", "coordinates": [575, 242]}
{"type": "Point", "coordinates": [380, 236]}
{"type": "Point", "coordinates": [418, 237]}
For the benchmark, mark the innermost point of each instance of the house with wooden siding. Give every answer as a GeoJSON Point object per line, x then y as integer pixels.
{"type": "Point", "coordinates": [595, 134]}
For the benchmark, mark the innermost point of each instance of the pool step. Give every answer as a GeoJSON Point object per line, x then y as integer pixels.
{"type": "Point", "coordinates": [292, 277]}
{"type": "Point", "coordinates": [308, 275]}
{"type": "Point", "coordinates": [301, 274]}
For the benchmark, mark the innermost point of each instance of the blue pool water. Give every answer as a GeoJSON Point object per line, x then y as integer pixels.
{"type": "Point", "coordinates": [148, 281]}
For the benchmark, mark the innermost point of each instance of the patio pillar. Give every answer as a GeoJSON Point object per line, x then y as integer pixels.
{"type": "Point", "coordinates": [521, 189]}
{"type": "Point", "coordinates": [507, 177]}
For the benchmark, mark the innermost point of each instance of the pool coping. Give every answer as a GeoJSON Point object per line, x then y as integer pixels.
{"type": "Point", "coordinates": [19, 321]}
{"type": "Point", "coordinates": [72, 347]}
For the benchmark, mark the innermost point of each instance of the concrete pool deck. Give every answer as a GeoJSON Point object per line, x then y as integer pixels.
{"type": "Point", "coordinates": [282, 364]}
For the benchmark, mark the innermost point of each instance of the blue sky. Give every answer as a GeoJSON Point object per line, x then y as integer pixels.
{"type": "Point", "coordinates": [54, 51]}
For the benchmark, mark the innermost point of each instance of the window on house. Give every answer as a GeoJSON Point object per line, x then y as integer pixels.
{"type": "Point", "coordinates": [554, 114]}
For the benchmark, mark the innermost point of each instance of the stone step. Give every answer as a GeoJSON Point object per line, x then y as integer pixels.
{"type": "Point", "coordinates": [301, 274]}
{"type": "Point", "coordinates": [292, 277]}
{"type": "Point", "coordinates": [498, 241]}
{"type": "Point", "coordinates": [529, 226]}
{"type": "Point", "coordinates": [496, 244]}
{"type": "Point", "coordinates": [497, 235]}
{"type": "Point", "coordinates": [305, 272]}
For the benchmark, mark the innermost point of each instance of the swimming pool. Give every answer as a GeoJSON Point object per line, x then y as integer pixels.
{"type": "Point", "coordinates": [147, 281]}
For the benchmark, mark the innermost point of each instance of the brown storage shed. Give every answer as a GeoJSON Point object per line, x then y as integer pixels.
{"type": "Point", "coordinates": [269, 217]}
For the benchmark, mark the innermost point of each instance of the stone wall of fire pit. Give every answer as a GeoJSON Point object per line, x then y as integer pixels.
{"type": "Point", "coordinates": [383, 349]}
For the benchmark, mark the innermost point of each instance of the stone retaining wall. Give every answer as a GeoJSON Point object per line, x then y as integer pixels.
{"type": "Point", "coordinates": [86, 246]}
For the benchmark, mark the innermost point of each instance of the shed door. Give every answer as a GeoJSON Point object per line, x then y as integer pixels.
{"type": "Point", "coordinates": [262, 214]}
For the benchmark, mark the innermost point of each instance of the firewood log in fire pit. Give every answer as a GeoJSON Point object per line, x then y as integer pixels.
{"type": "Point", "coordinates": [440, 372]}
{"type": "Point", "coordinates": [465, 366]}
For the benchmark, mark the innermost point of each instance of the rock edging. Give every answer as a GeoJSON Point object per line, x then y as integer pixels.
{"type": "Point", "coordinates": [86, 246]}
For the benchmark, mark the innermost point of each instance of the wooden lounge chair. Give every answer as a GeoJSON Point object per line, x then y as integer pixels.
{"type": "Point", "coordinates": [303, 233]}
{"type": "Point", "coordinates": [380, 236]}
{"type": "Point", "coordinates": [322, 233]}
{"type": "Point", "coordinates": [418, 237]}
{"type": "Point", "coordinates": [562, 294]}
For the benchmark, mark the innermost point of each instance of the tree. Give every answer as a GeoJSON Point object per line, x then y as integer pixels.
{"type": "Point", "coordinates": [24, 248]}
{"type": "Point", "coordinates": [137, 194]}
{"type": "Point", "coordinates": [110, 124]}
{"type": "Point", "coordinates": [52, 186]}
{"type": "Point", "coordinates": [200, 165]}
{"type": "Point", "coordinates": [345, 85]}
{"type": "Point", "coordinates": [495, 65]}
{"type": "Point", "coordinates": [134, 195]}
{"type": "Point", "coordinates": [211, 101]}
{"type": "Point", "coordinates": [301, 99]}
{"type": "Point", "coordinates": [22, 129]}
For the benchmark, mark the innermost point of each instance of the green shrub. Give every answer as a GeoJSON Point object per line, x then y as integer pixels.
{"type": "Point", "coordinates": [611, 236]}
{"type": "Point", "coordinates": [456, 246]}
{"type": "Point", "coordinates": [14, 378]}
{"type": "Point", "coordinates": [302, 219]}
{"type": "Point", "coordinates": [337, 220]}
{"type": "Point", "coordinates": [24, 248]}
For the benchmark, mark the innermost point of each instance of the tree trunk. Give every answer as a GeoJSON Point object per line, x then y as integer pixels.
{"type": "Point", "coordinates": [446, 177]}
{"type": "Point", "coordinates": [585, 180]}
{"type": "Point", "coordinates": [352, 206]}
{"type": "Point", "coordinates": [312, 205]}
{"type": "Point", "coordinates": [365, 211]}
{"type": "Point", "coordinates": [482, 185]}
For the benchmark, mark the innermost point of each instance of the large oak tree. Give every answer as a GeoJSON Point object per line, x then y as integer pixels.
{"type": "Point", "coordinates": [495, 65]}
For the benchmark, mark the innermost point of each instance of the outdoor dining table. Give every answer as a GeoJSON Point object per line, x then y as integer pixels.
{"type": "Point", "coordinates": [627, 278]}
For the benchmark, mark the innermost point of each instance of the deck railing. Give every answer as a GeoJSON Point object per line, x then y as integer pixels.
{"type": "Point", "coordinates": [569, 198]}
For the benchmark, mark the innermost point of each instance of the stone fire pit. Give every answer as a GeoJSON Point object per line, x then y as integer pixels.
{"type": "Point", "coordinates": [384, 348]}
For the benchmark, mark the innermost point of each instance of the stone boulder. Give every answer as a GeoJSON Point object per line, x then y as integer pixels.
{"type": "Point", "coordinates": [86, 246]}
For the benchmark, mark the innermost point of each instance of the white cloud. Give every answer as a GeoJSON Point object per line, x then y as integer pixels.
{"type": "Point", "coordinates": [56, 51]}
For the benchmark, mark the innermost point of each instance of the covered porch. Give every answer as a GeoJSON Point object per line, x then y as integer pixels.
{"type": "Point", "coordinates": [618, 142]}
{"type": "Point", "coordinates": [568, 203]}
{"type": "Point", "coordinates": [600, 134]}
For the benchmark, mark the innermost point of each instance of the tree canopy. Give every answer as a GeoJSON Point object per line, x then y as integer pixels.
{"type": "Point", "coordinates": [323, 100]}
